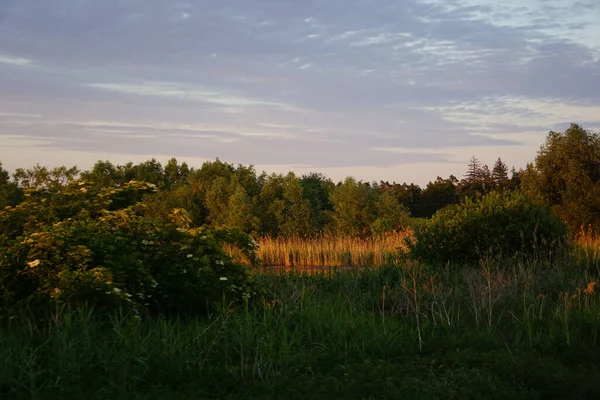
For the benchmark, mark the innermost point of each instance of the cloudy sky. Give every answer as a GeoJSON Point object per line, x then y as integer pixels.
{"type": "Point", "coordinates": [378, 89]}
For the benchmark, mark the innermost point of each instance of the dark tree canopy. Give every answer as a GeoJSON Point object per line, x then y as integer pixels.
{"type": "Point", "coordinates": [10, 193]}
{"type": "Point", "coordinates": [566, 175]}
{"type": "Point", "coordinates": [500, 174]}
{"type": "Point", "coordinates": [438, 194]}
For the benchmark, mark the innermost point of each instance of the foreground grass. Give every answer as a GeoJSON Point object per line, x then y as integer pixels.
{"type": "Point", "coordinates": [519, 330]}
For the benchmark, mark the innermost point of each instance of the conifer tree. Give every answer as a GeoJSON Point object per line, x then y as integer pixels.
{"type": "Point", "coordinates": [500, 174]}
{"type": "Point", "coordinates": [474, 171]}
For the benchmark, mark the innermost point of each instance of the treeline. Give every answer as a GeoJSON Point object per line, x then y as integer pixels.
{"type": "Point", "coordinates": [224, 196]}
{"type": "Point", "coordinates": [220, 195]}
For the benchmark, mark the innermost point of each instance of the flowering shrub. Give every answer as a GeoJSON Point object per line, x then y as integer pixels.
{"type": "Point", "coordinates": [88, 248]}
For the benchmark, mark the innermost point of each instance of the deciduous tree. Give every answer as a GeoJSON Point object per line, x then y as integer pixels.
{"type": "Point", "coordinates": [566, 175]}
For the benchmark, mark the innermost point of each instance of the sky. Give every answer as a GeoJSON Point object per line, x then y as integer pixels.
{"type": "Point", "coordinates": [391, 90]}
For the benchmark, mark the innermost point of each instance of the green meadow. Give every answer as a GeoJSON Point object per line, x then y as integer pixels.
{"type": "Point", "coordinates": [520, 330]}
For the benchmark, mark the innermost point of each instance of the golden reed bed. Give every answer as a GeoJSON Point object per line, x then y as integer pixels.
{"type": "Point", "coordinates": [587, 246]}
{"type": "Point", "coordinates": [324, 252]}
{"type": "Point", "coordinates": [328, 251]}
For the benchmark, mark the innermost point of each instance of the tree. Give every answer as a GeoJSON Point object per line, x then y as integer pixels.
{"type": "Point", "coordinates": [409, 196]}
{"type": "Point", "coordinates": [486, 179]}
{"type": "Point", "coordinates": [149, 171]}
{"type": "Point", "coordinates": [210, 170]}
{"type": "Point", "coordinates": [317, 189]}
{"type": "Point", "coordinates": [4, 176]}
{"type": "Point", "coordinates": [217, 202]}
{"type": "Point", "coordinates": [175, 173]}
{"type": "Point", "coordinates": [103, 174]}
{"type": "Point", "coordinates": [241, 215]}
{"type": "Point", "coordinates": [477, 181]}
{"type": "Point", "coordinates": [268, 203]}
{"type": "Point", "coordinates": [500, 174]}
{"type": "Point", "coordinates": [295, 219]}
{"type": "Point", "coordinates": [39, 178]}
{"type": "Point", "coordinates": [353, 208]}
{"type": "Point", "coordinates": [474, 171]}
{"type": "Point", "coordinates": [183, 196]}
{"type": "Point", "coordinates": [566, 176]}
{"type": "Point", "coordinates": [437, 195]}
{"type": "Point", "coordinates": [284, 210]}
{"type": "Point", "coordinates": [391, 214]}
{"type": "Point", "coordinates": [10, 193]}
{"type": "Point", "coordinates": [246, 176]}
{"type": "Point", "coordinates": [515, 178]}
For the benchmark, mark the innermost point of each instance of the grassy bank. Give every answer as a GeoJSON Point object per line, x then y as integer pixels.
{"type": "Point", "coordinates": [519, 330]}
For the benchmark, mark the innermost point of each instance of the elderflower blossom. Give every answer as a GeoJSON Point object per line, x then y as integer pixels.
{"type": "Point", "coordinates": [223, 278]}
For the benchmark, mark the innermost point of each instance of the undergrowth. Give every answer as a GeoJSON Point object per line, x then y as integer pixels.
{"type": "Point", "coordinates": [498, 330]}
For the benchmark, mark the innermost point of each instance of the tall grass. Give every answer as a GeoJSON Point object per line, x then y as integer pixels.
{"type": "Point", "coordinates": [587, 248]}
{"type": "Point", "coordinates": [500, 329]}
{"type": "Point", "coordinates": [328, 251]}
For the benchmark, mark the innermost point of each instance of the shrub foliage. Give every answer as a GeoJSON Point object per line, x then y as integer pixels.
{"type": "Point", "coordinates": [99, 247]}
{"type": "Point", "coordinates": [500, 222]}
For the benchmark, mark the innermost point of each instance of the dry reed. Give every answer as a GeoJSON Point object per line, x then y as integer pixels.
{"type": "Point", "coordinates": [589, 241]}
{"type": "Point", "coordinates": [328, 251]}
{"type": "Point", "coordinates": [587, 248]}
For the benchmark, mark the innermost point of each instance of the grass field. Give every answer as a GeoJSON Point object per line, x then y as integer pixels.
{"type": "Point", "coordinates": [498, 330]}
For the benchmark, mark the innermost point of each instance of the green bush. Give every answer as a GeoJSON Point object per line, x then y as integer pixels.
{"type": "Point", "coordinates": [118, 258]}
{"type": "Point", "coordinates": [500, 223]}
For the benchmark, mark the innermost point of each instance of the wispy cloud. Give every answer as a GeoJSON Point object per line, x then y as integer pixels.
{"type": "Point", "coordinates": [184, 92]}
{"type": "Point", "coordinates": [339, 85]}
{"type": "Point", "coordinates": [413, 150]}
{"type": "Point", "coordinates": [19, 115]}
{"type": "Point", "coordinates": [14, 60]}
